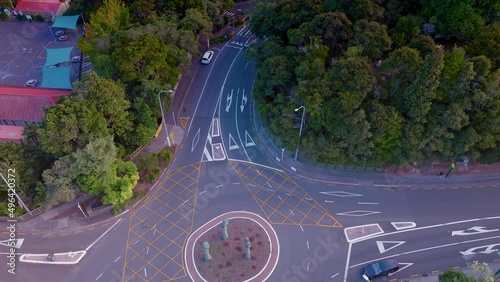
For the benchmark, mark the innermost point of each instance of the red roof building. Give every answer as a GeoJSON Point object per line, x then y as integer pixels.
{"type": "Point", "coordinates": [23, 105]}
{"type": "Point", "coordinates": [38, 6]}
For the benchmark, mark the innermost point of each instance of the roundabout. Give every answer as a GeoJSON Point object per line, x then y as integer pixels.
{"type": "Point", "coordinates": [228, 256]}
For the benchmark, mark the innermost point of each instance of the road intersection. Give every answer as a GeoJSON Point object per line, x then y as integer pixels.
{"type": "Point", "coordinates": [329, 225]}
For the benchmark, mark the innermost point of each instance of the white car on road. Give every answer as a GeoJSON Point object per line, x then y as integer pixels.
{"type": "Point", "coordinates": [207, 57]}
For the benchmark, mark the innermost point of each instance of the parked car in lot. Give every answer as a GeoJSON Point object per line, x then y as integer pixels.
{"type": "Point", "coordinates": [207, 57]}
{"type": "Point", "coordinates": [379, 268]}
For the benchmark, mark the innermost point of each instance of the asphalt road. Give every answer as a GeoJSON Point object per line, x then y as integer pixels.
{"type": "Point", "coordinates": [428, 249]}
{"type": "Point", "coordinates": [220, 167]}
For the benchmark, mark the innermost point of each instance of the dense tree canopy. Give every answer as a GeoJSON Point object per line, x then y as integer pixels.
{"type": "Point", "coordinates": [137, 48]}
{"type": "Point", "coordinates": [377, 88]}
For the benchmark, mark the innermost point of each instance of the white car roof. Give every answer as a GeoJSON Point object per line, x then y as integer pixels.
{"type": "Point", "coordinates": [207, 54]}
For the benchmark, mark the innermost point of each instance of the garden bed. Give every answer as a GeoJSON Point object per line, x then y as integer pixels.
{"type": "Point", "coordinates": [228, 257]}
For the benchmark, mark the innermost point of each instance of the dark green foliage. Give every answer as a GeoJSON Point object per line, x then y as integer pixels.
{"type": "Point", "coordinates": [373, 37]}
{"type": "Point", "coordinates": [5, 211]}
{"type": "Point", "coordinates": [238, 22]}
{"type": "Point", "coordinates": [39, 18]}
{"type": "Point", "coordinates": [455, 276]}
{"type": "Point", "coordinates": [406, 29]}
{"type": "Point", "coordinates": [420, 102]}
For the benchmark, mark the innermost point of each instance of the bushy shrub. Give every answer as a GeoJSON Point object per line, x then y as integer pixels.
{"type": "Point", "coordinates": [39, 18]}
{"type": "Point", "coordinates": [152, 175]}
{"type": "Point", "coordinates": [238, 22]}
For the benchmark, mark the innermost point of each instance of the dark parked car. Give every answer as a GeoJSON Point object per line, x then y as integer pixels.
{"type": "Point", "coordinates": [382, 267]}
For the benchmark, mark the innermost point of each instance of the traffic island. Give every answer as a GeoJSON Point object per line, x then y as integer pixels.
{"type": "Point", "coordinates": [250, 251]}
{"type": "Point", "coordinates": [57, 258]}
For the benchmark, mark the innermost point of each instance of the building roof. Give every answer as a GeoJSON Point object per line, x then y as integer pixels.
{"type": "Point", "coordinates": [10, 133]}
{"type": "Point", "coordinates": [23, 108]}
{"type": "Point", "coordinates": [26, 104]}
{"type": "Point", "coordinates": [38, 6]}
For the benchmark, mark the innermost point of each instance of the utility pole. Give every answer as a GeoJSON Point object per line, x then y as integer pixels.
{"type": "Point", "coordinates": [300, 130]}
{"type": "Point", "coordinates": [82, 210]}
{"type": "Point", "coordinates": [163, 115]}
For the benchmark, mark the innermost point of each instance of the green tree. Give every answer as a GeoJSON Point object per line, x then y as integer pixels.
{"type": "Point", "coordinates": [373, 37]}
{"type": "Point", "coordinates": [444, 123]}
{"type": "Point", "coordinates": [351, 80]}
{"type": "Point", "coordinates": [423, 43]}
{"type": "Point", "coordinates": [386, 126]}
{"type": "Point", "coordinates": [69, 125]}
{"type": "Point", "coordinates": [486, 118]}
{"type": "Point", "coordinates": [148, 58]}
{"type": "Point", "coordinates": [108, 98]}
{"type": "Point", "coordinates": [177, 6]}
{"type": "Point", "coordinates": [400, 68]}
{"type": "Point", "coordinates": [124, 177]}
{"type": "Point", "coordinates": [459, 19]}
{"type": "Point", "coordinates": [142, 10]}
{"type": "Point", "coordinates": [363, 9]}
{"type": "Point", "coordinates": [406, 29]}
{"type": "Point", "coordinates": [417, 99]}
{"type": "Point", "coordinates": [91, 165]}
{"type": "Point", "coordinates": [333, 29]}
{"type": "Point", "coordinates": [482, 67]}
{"type": "Point", "coordinates": [196, 21]}
{"type": "Point", "coordinates": [111, 17]}
{"type": "Point", "coordinates": [278, 73]}
{"type": "Point", "coordinates": [59, 184]}
{"type": "Point", "coordinates": [456, 78]}
{"type": "Point", "coordinates": [145, 122]}
{"type": "Point", "coordinates": [487, 43]}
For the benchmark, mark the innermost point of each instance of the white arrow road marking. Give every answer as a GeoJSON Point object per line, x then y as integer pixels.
{"type": "Point", "coordinates": [207, 154]}
{"type": "Point", "coordinates": [475, 230]}
{"type": "Point", "coordinates": [382, 249]}
{"type": "Point", "coordinates": [406, 265]}
{"type": "Point", "coordinates": [243, 101]}
{"type": "Point", "coordinates": [232, 143]}
{"type": "Point", "coordinates": [229, 99]}
{"type": "Point", "coordinates": [488, 249]}
{"type": "Point", "coordinates": [247, 138]}
{"type": "Point", "coordinates": [196, 138]}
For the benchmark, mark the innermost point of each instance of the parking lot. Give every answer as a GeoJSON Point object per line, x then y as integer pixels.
{"type": "Point", "coordinates": [22, 50]}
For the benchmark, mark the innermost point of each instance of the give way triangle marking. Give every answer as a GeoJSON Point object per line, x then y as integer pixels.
{"type": "Point", "coordinates": [402, 265]}
{"type": "Point", "coordinates": [382, 249]}
{"type": "Point", "coordinates": [248, 140]}
{"type": "Point", "coordinates": [232, 143]}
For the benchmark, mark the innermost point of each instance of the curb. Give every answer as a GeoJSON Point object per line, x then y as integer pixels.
{"type": "Point", "coordinates": [274, 254]}
{"type": "Point", "coordinates": [58, 258]}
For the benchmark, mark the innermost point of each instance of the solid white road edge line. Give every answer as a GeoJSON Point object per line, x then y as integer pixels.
{"type": "Point", "coordinates": [100, 237]}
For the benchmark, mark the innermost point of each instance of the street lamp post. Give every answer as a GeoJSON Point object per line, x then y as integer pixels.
{"type": "Point", "coordinates": [163, 115]}
{"type": "Point", "coordinates": [300, 130]}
